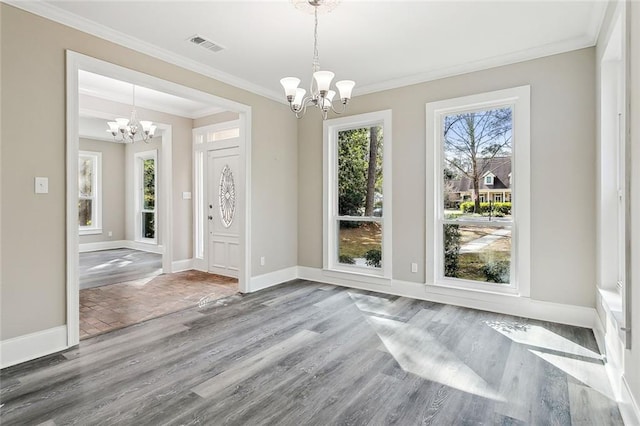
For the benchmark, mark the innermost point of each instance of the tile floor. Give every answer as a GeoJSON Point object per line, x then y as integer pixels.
{"type": "Point", "coordinates": [114, 306]}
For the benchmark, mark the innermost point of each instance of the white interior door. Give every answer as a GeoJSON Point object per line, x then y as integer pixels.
{"type": "Point", "coordinates": [223, 229]}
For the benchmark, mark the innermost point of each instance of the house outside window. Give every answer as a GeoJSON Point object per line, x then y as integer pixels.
{"type": "Point", "coordinates": [357, 194]}
{"type": "Point", "coordinates": [475, 139]}
{"type": "Point", "coordinates": [89, 192]}
{"type": "Point", "coordinates": [488, 179]}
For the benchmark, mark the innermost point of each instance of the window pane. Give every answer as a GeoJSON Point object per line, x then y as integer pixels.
{"type": "Point", "coordinates": [85, 177]}
{"type": "Point", "coordinates": [360, 243]}
{"type": "Point", "coordinates": [360, 172]}
{"type": "Point", "coordinates": [477, 150]}
{"type": "Point", "coordinates": [223, 134]}
{"type": "Point", "coordinates": [148, 225]}
{"type": "Point", "coordinates": [477, 253]}
{"type": "Point", "coordinates": [85, 212]}
{"type": "Point", "coordinates": [149, 189]}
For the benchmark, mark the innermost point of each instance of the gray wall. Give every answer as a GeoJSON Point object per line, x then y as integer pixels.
{"type": "Point", "coordinates": [33, 85]}
{"type": "Point", "coordinates": [113, 189]}
{"type": "Point", "coordinates": [562, 171]}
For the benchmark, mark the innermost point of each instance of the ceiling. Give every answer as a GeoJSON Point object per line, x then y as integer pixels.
{"type": "Point", "coordinates": [111, 89]}
{"type": "Point", "coordinates": [379, 44]}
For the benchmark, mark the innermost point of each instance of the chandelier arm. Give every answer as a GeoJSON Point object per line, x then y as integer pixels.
{"type": "Point", "coordinates": [344, 108]}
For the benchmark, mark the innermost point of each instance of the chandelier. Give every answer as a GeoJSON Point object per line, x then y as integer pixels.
{"type": "Point", "coordinates": [125, 130]}
{"type": "Point", "coordinates": [320, 95]}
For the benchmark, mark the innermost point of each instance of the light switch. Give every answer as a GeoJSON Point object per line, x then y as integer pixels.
{"type": "Point", "coordinates": [186, 195]}
{"type": "Point", "coordinates": [42, 185]}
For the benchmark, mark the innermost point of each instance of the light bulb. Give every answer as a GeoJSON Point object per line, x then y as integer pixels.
{"type": "Point", "coordinates": [323, 79]}
{"type": "Point", "coordinates": [290, 84]}
{"type": "Point", "coordinates": [345, 87]}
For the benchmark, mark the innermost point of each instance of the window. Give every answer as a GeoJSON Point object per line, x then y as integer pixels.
{"type": "Point", "coordinates": [357, 194]}
{"type": "Point", "coordinates": [89, 192]}
{"type": "Point", "coordinates": [146, 189]}
{"type": "Point", "coordinates": [481, 140]}
{"type": "Point", "coordinates": [488, 179]}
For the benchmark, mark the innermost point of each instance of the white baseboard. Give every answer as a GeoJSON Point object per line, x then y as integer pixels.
{"type": "Point", "coordinates": [109, 245]}
{"type": "Point", "coordinates": [31, 346]}
{"type": "Point", "coordinates": [102, 245]}
{"type": "Point", "coordinates": [501, 303]}
{"type": "Point", "coordinates": [629, 408]}
{"type": "Point", "coordinates": [605, 329]}
{"type": "Point", "coordinates": [151, 248]}
{"type": "Point", "coordinates": [270, 279]}
{"type": "Point", "coordinates": [181, 265]}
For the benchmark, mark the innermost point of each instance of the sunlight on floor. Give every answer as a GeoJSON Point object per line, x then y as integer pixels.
{"type": "Point", "coordinates": [419, 353]}
{"type": "Point", "coordinates": [573, 359]}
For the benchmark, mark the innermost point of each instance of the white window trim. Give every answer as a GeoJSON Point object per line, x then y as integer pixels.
{"type": "Point", "coordinates": [330, 205]}
{"type": "Point", "coordinates": [519, 99]}
{"type": "Point", "coordinates": [139, 158]}
{"type": "Point", "coordinates": [488, 179]}
{"type": "Point", "coordinates": [96, 208]}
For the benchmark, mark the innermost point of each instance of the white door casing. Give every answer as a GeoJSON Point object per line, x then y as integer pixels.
{"type": "Point", "coordinates": [75, 62]}
{"type": "Point", "coordinates": [222, 196]}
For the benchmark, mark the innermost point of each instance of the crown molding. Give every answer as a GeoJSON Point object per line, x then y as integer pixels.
{"type": "Point", "coordinates": [49, 11]}
{"type": "Point", "coordinates": [56, 14]}
{"type": "Point", "coordinates": [497, 61]}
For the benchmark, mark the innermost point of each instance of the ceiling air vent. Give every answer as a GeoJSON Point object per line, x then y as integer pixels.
{"type": "Point", "coordinates": [207, 44]}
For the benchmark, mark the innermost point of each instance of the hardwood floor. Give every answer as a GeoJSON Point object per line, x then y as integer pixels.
{"type": "Point", "coordinates": [305, 353]}
{"type": "Point", "coordinates": [104, 267]}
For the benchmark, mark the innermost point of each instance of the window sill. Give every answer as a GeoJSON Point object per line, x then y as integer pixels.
{"type": "Point", "coordinates": [612, 303]}
{"type": "Point", "coordinates": [93, 231]}
{"type": "Point", "coordinates": [149, 242]}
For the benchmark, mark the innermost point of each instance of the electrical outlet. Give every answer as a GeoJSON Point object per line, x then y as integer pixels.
{"type": "Point", "coordinates": [262, 262]}
{"type": "Point", "coordinates": [110, 234]}
{"type": "Point", "coordinates": [41, 185]}
{"type": "Point", "coordinates": [414, 267]}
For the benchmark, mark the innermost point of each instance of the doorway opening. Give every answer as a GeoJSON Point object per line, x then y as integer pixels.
{"type": "Point", "coordinates": [137, 261]}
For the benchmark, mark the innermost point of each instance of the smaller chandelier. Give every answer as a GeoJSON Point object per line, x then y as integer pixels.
{"type": "Point", "coordinates": [320, 95]}
{"type": "Point", "coordinates": [125, 130]}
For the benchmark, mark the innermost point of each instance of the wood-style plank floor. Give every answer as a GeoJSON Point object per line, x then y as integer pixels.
{"type": "Point", "coordinates": [104, 267]}
{"type": "Point", "coordinates": [305, 353]}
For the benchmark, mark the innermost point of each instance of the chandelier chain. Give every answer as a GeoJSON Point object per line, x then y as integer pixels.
{"type": "Point", "coordinates": [320, 95]}
{"type": "Point", "coordinates": [316, 55]}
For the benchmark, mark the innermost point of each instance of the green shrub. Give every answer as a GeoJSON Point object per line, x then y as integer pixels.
{"type": "Point", "coordinates": [497, 272]}
{"type": "Point", "coordinates": [496, 208]}
{"type": "Point", "coordinates": [451, 250]}
{"type": "Point", "coordinates": [348, 260]}
{"type": "Point", "coordinates": [374, 258]}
